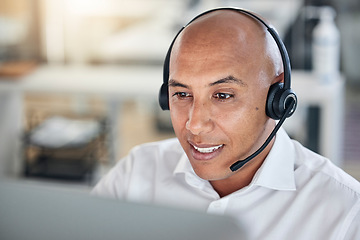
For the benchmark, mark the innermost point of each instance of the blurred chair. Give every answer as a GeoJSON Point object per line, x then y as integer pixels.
{"type": "Point", "coordinates": [63, 147]}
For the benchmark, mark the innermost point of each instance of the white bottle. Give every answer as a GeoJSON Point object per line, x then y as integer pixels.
{"type": "Point", "coordinates": [326, 46]}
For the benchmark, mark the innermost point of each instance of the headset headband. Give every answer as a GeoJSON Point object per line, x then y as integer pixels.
{"type": "Point", "coordinates": [281, 100]}
{"type": "Point", "coordinates": [272, 31]}
{"type": "Point", "coordinates": [279, 94]}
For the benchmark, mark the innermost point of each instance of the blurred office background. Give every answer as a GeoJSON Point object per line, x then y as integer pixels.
{"type": "Point", "coordinates": [79, 81]}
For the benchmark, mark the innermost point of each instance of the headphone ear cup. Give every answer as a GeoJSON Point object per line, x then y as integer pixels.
{"type": "Point", "coordinates": [272, 102]}
{"type": "Point", "coordinates": [164, 93]}
{"type": "Point", "coordinates": [164, 97]}
{"type": "Point", "coordinates": [278, 101]}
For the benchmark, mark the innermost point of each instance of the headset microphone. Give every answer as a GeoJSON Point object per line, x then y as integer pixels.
{"type": "Point", "coordinates": [234, 167]}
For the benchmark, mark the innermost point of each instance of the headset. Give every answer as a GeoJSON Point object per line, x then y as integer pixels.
{"type": "Point", "coordinates": [281, 99]}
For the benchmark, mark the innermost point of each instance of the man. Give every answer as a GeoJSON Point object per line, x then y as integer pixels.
{"type": "Point", "coordinates": [220, 71]}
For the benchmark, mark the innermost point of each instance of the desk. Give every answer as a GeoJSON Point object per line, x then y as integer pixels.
{"type": "Point", "coordinates": [112, 83]}
{"type": "Point", "coordinates": [118, 83]}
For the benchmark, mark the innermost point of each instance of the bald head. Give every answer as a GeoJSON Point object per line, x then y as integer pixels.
{"type": "Point", "coordinates": [230, 34]}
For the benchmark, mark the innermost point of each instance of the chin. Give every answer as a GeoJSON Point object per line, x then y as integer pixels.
{"type": "Point", "coordinates": [212, 175]}
{"type": "Point", "coordinates": [210, 170]}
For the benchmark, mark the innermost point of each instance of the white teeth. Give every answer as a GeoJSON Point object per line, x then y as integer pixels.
{"type": "Point", "coordinates": [208, 150]}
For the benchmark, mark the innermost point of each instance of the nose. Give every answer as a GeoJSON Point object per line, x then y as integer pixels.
{"type": "Point", "coordinates": [200, 119]}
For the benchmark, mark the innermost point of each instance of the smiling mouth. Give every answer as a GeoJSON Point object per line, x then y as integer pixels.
{"type": "Point", "coordinates": [208, 149]}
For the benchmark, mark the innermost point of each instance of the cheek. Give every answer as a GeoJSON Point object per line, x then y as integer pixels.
{"type": "Point", "coordinates": [178, 119]}
{"type": "Point", "coordinates": [232, 124]}
{"type": "Point", "coordinates": [241, 124]}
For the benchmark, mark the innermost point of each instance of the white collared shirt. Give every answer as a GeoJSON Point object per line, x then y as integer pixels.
{"type": "Point", "coordinates": [295, 194]}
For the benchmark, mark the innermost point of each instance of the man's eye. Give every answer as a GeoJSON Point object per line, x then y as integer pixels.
{"type": "Point", "coordinates": [181, 94]}
{"type": "Point", "coordinates": [223, 96]}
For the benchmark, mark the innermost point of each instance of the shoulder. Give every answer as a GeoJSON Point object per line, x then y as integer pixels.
{"type": "Point", "coordinates": [171, 144]}
{"type": "Point", "coordinates": [157, 150]}
{"type": "Point", "coordinates": [312, 168]}
{"type": "Point", "coordinates": [140, 167]}
{"type": "Point", "coordinates": [328, 190]}
{"type": "Point", "coordinates": [150, 157]}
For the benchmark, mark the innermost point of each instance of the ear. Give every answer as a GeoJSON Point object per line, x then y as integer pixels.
{"type": "Point", "coordinates": [278, 79]}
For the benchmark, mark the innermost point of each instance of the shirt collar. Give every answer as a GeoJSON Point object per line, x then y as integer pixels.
{"type": "Point", "coordinates": [277, 171]}
{"type": "Point", "coordinates": [185, 170]}
{"type": "Point", "coordinates": [183, 165]}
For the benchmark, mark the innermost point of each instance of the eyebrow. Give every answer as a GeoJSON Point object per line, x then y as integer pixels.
{"type": "Point", "coordinates": [174, 83]}
{"type": "Point", "coordinates": [228, 79]}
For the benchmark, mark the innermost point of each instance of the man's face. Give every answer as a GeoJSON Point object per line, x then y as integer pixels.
{"type": "Point", "coordinates": [217, 98]}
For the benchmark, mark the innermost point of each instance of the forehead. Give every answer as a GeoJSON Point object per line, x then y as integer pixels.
{"type": "Point", "coordinates": [206, 64]}
{"type": "Point", "coordinates": [212, 48]}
